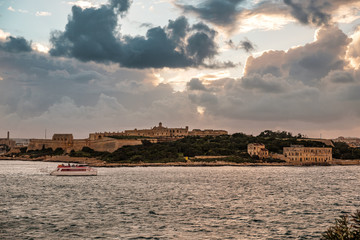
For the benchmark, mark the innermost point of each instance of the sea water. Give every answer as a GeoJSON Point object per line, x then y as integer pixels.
{"type": "Point", "coordinates": [175, 202]}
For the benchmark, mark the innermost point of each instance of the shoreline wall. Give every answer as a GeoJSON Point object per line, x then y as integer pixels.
{"type": "Point", "coordinates": [101, 145]}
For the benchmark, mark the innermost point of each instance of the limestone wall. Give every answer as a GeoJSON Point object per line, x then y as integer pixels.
{"type": "Point", "coordinates": [10, 143]}
{"type": "Point", "coordinates": [207, 132]}
{"type": "Point", "coordinates": [104, 144]}
{"type": "Point", "coordinates": [38, 144]}
{"type": "Point", "coordinates": [110, 144]}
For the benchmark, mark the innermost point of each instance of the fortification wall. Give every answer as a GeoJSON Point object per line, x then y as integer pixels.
{"type": "Point", "coordinates": [207, 132]}
{"type": "Point", "coordinates": [160, 132]}
{"type": "Point", "coordinates": [8, 142]}
{"type": "Point", "coordinates": [110, 144]}
{"type": "Point", "coordinates": [104, 145]}
{"type": "Point", "coordinates": [38, 144]}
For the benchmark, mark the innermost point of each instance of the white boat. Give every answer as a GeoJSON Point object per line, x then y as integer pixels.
{"type": "Point", "coordinates": [74, 170]}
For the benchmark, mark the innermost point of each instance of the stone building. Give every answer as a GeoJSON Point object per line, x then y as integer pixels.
{"type": "Point", "coordinates": [63, 137]}
{"type": "Point", "coordinates": [207, 132]}
{"type": "Point", "coordinates": [7, 141]}
{"type": "Point", "coordinates": [299, 153]}
{"type": "Point", "coordinates": [160, 132]}
{"type": "Point", "coordinates": [257, 149]}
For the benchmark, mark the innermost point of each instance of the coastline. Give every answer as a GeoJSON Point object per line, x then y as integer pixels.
{"type": "Point", "coordinates": [93, 162]}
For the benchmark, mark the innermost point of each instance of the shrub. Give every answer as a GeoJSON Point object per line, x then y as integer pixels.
{"type": "Point", "coordinates": [345, 228]}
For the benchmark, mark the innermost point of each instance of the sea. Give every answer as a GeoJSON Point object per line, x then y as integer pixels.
{"type": "Point", "coordinates": [175, 202]}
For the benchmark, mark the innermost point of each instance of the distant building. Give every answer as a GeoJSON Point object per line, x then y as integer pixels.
{"type": "Point", "coordinates": [207, 132]}
{"type": "Point", "coordinates": [299, 153]}
{"type": "Point", "coordinates": [21, 142]}
{"type": "Point", "coordinates": [7, 141]}
{"type": "Point", "coordinates": [104, 141]}
{"type": "Point", "coordinates": [160, 132]}
{"type": "Point", "coordinates": [67, 137]}
{"type": "Point", "coordinates": [351, 142]}
{"type": "Point", "coordinates": [257, 149]}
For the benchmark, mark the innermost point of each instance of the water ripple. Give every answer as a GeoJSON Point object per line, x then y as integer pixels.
{"type": "Point", "coordinates": [175, 202]}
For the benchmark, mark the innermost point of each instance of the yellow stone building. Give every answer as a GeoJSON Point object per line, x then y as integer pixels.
{"type": "Point", "coordinates": [299, 153]}
{"type": "Point", "coordinates": [257, 149]}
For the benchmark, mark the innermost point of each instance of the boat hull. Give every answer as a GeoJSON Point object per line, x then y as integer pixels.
{"type": "Point", "coordinates": [73, 173]}
{"type": "Point", "coordinates": [74, 170]}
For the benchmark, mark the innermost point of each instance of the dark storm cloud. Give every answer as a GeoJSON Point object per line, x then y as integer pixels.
{"type": "Point", "coordinates": [195, 84]}
{"type": "Point", "coordinates": [91, 35]}
{"type": "Point", "coordinates": [310, 12]}
{"type": "Point", "coordinates": [315, 12]}
{"type": "Point", "coordinates": [88, 35]}
{"type": "Point", "coordinates": [155, 50]}
{"type": "Point", "coordinates": [340, 77]}
{"type": "Point", "coordinates": [220, 12]}
{"type": "Point", "coordinates": [266, 83]}
{"type": "Point", "coordinates": [204, 99]}
{"type": "Point", "coordinates": [230, 13]}
{"type": "Point", "coordinates": [178, 28]}
{"type": "Point", "coordinates": [146, 25]}
{"type": "Point", "coordinates": [246, 45]}
{"type": "Point", "coordinates": [120, 5]}
{"type": "Point", "coordinates": [220, 65]}
{"type": "Point", "coordinates": [201, 46]}
{"type": "Point", "coordinates": [16, 45]}
{"type": "Point", "coordinates": [204, 28]}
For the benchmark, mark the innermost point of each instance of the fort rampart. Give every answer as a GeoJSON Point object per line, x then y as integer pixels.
{"type": "Point", "coordinates": [111, 141]}
{"type": "Point", "coordinates": [104, 145]}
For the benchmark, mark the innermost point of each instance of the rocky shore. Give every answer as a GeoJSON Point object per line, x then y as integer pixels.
{"type": "Point", "coordinates": [99, 163]}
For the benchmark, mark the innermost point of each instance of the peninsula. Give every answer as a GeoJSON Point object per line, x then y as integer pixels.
{"type": "Point", "coordinates": [161, 146]}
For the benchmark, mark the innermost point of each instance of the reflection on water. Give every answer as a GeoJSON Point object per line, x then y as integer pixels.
{"type": "Point", "coordinates": [175, 202]}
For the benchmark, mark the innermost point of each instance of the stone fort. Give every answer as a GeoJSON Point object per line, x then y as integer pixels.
{"type": "Point", "coordinates": [111, 141]}
{"type": "Point", "coordinates": [159, 132]}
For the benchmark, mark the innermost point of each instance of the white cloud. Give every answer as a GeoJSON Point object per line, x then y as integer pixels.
{"type": "Point", "coordinates": [10, 8]}
{"type": "Point", "coordinates": [42, 14]}
{"type": "Point", "coordinates": [84, 4]}
{"type": "Point", "coordinates": [263, 22]}
{"type": "Point", "coordinates": [40, 47]}
{"type": "Point", "coordinates": [3, 35]}
{"type": "Point", "coordinates": [23, 11]}
{"type": "Point", "coordinates": [19, 10]}
{"type": "Point", "coordinates": [353, 53]}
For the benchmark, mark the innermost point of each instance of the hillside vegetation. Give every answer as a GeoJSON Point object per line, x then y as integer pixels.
{"type": "Point", "coordinates": [234, 147]}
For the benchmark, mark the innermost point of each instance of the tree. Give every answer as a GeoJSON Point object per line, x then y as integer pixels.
{"type": "Point", "coordinates": [345, 228]}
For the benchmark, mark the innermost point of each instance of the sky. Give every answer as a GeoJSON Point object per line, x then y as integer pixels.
{"type": "Point", "coordinates": [86, 66]}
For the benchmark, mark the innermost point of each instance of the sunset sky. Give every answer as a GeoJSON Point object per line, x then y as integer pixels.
{"type": "Point", "coordinates": [243, 66]}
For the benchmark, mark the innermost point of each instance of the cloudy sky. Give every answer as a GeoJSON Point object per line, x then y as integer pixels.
{"type": "Point", "coordinates": [239, 65]}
